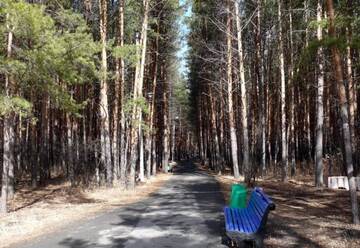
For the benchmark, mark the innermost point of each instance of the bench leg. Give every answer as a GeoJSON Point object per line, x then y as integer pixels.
{"type": "Point", "coordinates": [259, 241]}
{"type": "Point", "coordinates": [233, 243]}
{"type": "Point", "coordinates": [225, 240]}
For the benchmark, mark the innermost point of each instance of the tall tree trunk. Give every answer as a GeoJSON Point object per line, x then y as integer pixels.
{"type": "Point", "coordinates": [8, 136]}
{"type": "Point", "coordinates": [339, 79]}
{"type": "Point", "coordinates": [104, 103]}
{"type": "Point", "coordinates": [233, 137]}
{"type": "Point", "coordinates": [150, 137]}
{"type": "Point", "coordinates": [44, 139]}
{"type": "Point", "coordinates": [307, 105]}
{"type": "Point", "coordinates": [166, 131]}
{"type": "Point", "coordinates": [151, 163]}
{"type": "Point", "coordinates": [141, 153]}
{"type": "Point", "coordinates": [70, 150]}
{"type": "Point", "coordinates": [141, 82]}
{"type": "Point", "coordinates": [291, 145]}
{"type": "Point", "coordinates": [319, 180]}
{"type": "Point", "coordinates": [33, 156]}
{"type": "Point", "coordinates": [138, 88]}
{"type": "Point", "coordinates": [351, 85]}
{"type": "Point", "coordinates": [216, 153]}
{"type": "Point", "coordinates": [134, 134]}
{"type": "Point", "coordinates": [349, 74]}
{"type": "Point", "coordinates": [244, 111]}
{"type": "Point", "coordinates": [121, 71]}
{"type": "Point", "coordinates": [284, 154]}
{"type": "Point", "coordinates": [8, 160]}
{"type": "Point", "coordinates": [261, 78]}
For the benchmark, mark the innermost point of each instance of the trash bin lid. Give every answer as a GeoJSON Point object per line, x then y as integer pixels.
{"type": "Point", "coordinates": [238, 187]}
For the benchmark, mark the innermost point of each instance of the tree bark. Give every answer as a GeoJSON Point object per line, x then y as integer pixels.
{"type": "Point", "coordinates": [151, 142]}
{"type": "Point", "coordinates": [138, 87]}
{"type": "Point", "coordinates": [233, 138]}
{"type": "Point", "coordinates": [70, 150]}
{"type": "Point", "coordinates": [121, 71]}
{"type": "Point", "coordinates": [291, 145]}
{"type": "Point", "coordinates": [339, 80]}
{"type": "Point", "coordinates": [104, 103]}
{"type": "Point", "coordinates": [166, 131]}
{"type": "Point", "coordinates": [319, 174]}
{"type": "Point", "coordinates": [9, 136]}
{"type": "Point", "coordinates": [261, 79]}
{"type": "Point", "coordinates": [284, 154]}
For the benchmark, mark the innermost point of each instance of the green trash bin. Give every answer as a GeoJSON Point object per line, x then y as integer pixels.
{"type": "Point", "coordinates": [238, 196]}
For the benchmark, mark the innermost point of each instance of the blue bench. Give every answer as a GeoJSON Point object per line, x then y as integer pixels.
{"type": "Point", "coordinates": [248, 224]}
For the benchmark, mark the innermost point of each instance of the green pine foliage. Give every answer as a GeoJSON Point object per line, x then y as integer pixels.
{"type": "Point", "coordinates": [50, 54]}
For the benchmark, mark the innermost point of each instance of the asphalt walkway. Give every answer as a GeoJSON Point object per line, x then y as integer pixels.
{"type": "Point", "coordinates": [185, 212]}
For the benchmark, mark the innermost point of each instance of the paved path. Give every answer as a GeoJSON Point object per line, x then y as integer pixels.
{"type": "Point", "coordinates": [185, 212]}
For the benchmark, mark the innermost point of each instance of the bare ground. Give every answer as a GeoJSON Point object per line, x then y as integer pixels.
{"type": "Point", "coordinates": [305, 216]}
{"type": "Point", "coordinates": [43, 210]}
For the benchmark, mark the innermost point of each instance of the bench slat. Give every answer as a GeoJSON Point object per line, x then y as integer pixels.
{"type": "Point", "coordinates": [264, 196]}
{"type": "Point", "coordinates": [235, 222]}
{"type": "Point", "coordinates": [246, 221]}
{"type": "Point", "coordinates": [260, 201]}
{"type": "Point", "coordinates": [260, 204]}
{"type": "Point", "coordinates": [253, 219]}
{"type": "Point", "coordinates": [233, 219]}
{"type": "Point", "coordinates": [254, 211]}
{"type": "Point", "coordinates": [228, 219]}
{"type": "Point", "coordinates": [258, 210]}
{"type": "Point", "coordinates": [240, 226]}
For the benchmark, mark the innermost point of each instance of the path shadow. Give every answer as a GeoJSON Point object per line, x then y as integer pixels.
{"type": "Point", "coordinates": [186, 212]}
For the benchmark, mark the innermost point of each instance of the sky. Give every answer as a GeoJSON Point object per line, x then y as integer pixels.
{"type": "Point", "coordinates": [184, 30]}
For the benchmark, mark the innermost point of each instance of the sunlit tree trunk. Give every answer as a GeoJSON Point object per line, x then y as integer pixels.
{"type": "Point", "coordinates": [349, 75]}
{"type": "Point", "coordinates": [121, 71]}
{"type": "Point", "coordinates": [201, 136]}
{"type": "Point", "coordinates": [104, 104]}
{"type": "Point", "coordinates": [291, 145]}
{"type": "Point", "coordinates": [244, 111]}
{"type": "Point", "coordinates": [319, 181]}
{"type": "Point", "coordinates": [138, 94]}
{"type": "Point", "coordinates": [151, 140]}
{"type": "Point", "coordinates": [9, 136]}
{"type": "Point", "coordinates": [284, 154]}
{"type": "Point", "coordinates": [216, 153]}
{"type": "Point", "coordinates": [166, 131]}
{"type": "Point", "coordinates": [339, 80]}
{"type": "Point", "coordinates": [119, 81]}
{"type": "Point", "coordinates": [222, 147]}
{"type": "Point", "coordinates": [144, 38]}
{"type": "Point", "coordinates": [134, 132]}
{"type": "Point", "coordinates": [150, 136]}
{"type": "Point", "coordinates": [231, 110]}
{"type": "Point", "coordinates": [261, 79]}
{"type": "Point", "coordinates": [70, 150]}
{"type": "Point", "coordinates": [308, 124]}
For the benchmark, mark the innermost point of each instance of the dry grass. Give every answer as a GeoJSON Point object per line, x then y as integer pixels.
{"type": "Point", "coordinates": [305, 216]}
{"type": "Point", "coordinates": [37, 212]}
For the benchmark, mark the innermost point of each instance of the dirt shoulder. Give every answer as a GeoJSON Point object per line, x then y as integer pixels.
{"type": "Point", "coordinates": [37, 212]}
{"type": "Point", "coordinates": [305, 216]}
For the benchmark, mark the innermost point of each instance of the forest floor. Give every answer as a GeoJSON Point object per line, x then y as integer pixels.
{"type": "Point", "coordinates": [305, 216]}
{"type": "Point", "coordinates": [35, 212]}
